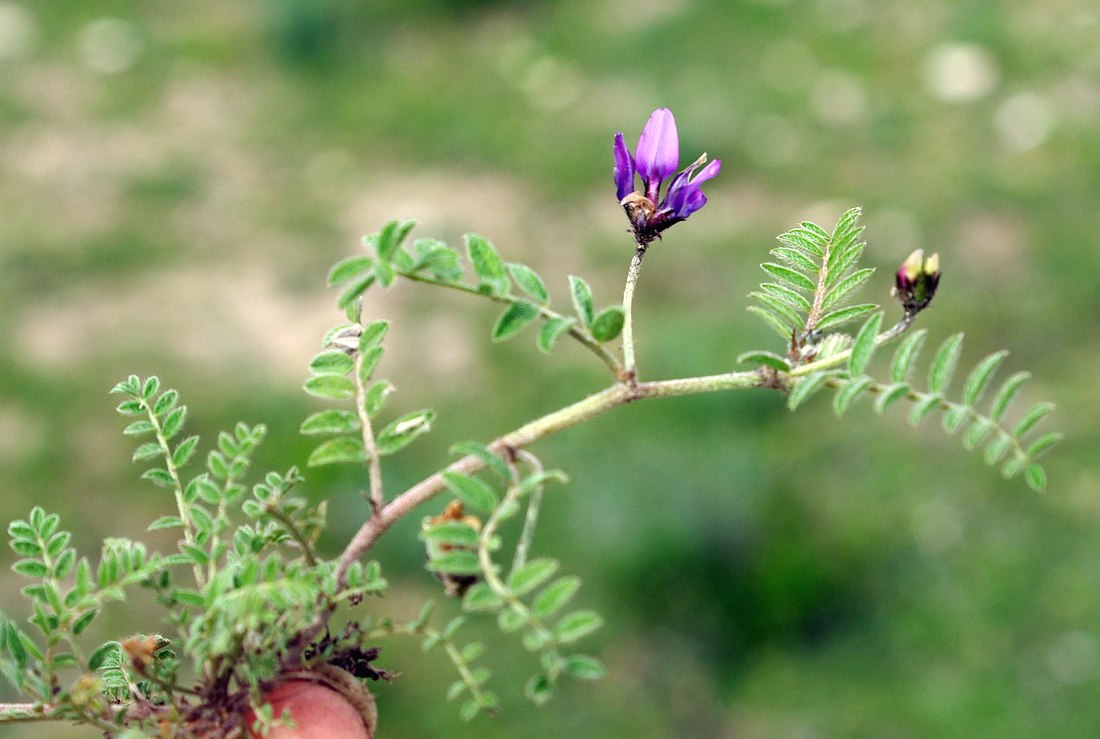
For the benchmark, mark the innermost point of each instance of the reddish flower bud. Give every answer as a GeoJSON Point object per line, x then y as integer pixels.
{"type": "Point", "coordinates": [916, 281]}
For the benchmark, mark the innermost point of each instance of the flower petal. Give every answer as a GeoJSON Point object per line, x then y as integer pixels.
{"type": "Point", "coordinates": [684, 194]}
{"type": "Point", "coordinates": [624, 168]}
{"type": "Point", "coordinates": [658, 152]}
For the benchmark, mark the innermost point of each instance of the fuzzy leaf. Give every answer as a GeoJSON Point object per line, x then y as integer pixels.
{"type": "Point", "coordinates": [532, 575]}
{"type": "Point", "coordinates": [583, 667]}
{"type": "Point", "coordinates": [401, 432]}
{"type": "Point", "coordinates": [333, 421]}
{"type": "Point", "coordinates": [514, 319]}
{"type": "Point", "coordinates": [1007, 394]}
{"type": "Point", "coordinates": [480, 597]}
{"type": "Point", "coordinates": [482, 452]}
{"type": "Point", "coordinates": [582, 300]}
{"type": "Point", "coordinates": [456, 562]}
{"type": "Point", "coordinates": [166, 522]}
{"type": "Point", "coordinates": [765, 358]}
{"type": "Point", "coordinates": [924, 406]}
{"type": "Point", "coordinates": [804, 239]}
{"type": "Point", "coordinates": [473, 493]}
{"type": "Point", "coordinates": [331, 387]}
{"type": "Point", "coordinates": [863, 348]}
{"type": "Point", "coordinates": [849, 393]}
{"type": "Point", "coordinates": [487, 264]}
{"type": "Point", "coordinates": [551, 330]}
{"type": "Point", "coordinates": [340, 449]}
{"type": "Point", "coordinates": [795, 258]}
{"type": "Point", "coordinates": [806, 387]}
{"type": "Point", "coordinates": [1031, 418]}
{"type": "Point", "coordinates": [608, 324]}
{"type": "Point", "coordinates": [452, 533]}
{"type": "Point", "coordinates": [980, 376]}
{"type": "Point", "coordinates": [779, 308]}
{"type": "Point", "coordinates": [777, 323]}
{"type": "Point", "coordinates": [555, 595]}
{"type": "Point", "coordinates": [391, 237]}
{"type": "Point", "coordinates": [1036, 477]}
{"type": "Point", "coordinates": [529, 282]}
{"type": "Point", "coordinates": [840, 316]}
{"type": "Point", "coordinates": [576, 625]}
{"type": "Point", "coordinates": [843, 288]}
{"type": "Point", "coordinates": [788, 275]}
{"type": "Point", "coordinates": [332, 362]}
{"type": "Point", "coordinates": [348, 268]}
{"type": "Point", "coordinates": [791, 297]}
{"type": "Point", "coordinates": [943, 364]}
{"type": "Point", "coordinates": [1043, 443]}
{"type": "Point", "coordinates": [906, 355]}
{"type": "Point", "coordinates": [357, 287]}
{"type": "Point", "coordinates": [184, 451]}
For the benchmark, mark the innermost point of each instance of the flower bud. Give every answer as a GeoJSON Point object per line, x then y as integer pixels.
{"type": "Point", "coordinates": [916, 281]}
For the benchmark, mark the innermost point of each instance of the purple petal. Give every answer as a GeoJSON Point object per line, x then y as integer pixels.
{"type": "Point", "coordinates": [658, 152]}
{"type": "Point", "coordinates": [684, 194]}
{"type": "Point", "coordinates": [624, 168]}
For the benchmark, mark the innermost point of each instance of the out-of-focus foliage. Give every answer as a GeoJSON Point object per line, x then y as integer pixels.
{"type": "Point", "coordinates": [176, 179]}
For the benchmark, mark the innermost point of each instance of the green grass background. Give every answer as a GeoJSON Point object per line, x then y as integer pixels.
{"type": "Point", "coordinates": [176, 178]}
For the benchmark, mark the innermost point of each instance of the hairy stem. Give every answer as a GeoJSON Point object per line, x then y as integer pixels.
{"type": "Point", "coordinates": [630, 367]}
{"type": "Point", "coordinates": [374, 462]}
{"type": "Point", "coordinates": [530, 521]}
{"type": "Point", "coordinates": [840, 358]}
{"type": "Point", "coordinates": [540, 428]}
{"type": "Point", "coordinates": [577, 332]}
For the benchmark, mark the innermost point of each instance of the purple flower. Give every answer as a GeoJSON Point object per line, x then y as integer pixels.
{"type": "Point", "coordinates": [655, 159]}
{"type": "Point", "coordinates": [916, 281]}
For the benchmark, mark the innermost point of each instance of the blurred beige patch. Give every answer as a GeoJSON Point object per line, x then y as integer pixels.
{"type": "Point", "coordinates": [993, 244]}
{"type": "Point", "coordinates": [21, 435]}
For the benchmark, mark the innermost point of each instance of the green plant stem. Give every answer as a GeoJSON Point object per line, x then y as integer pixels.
{"type": "Point", "coordinates": [530, 521]}
{"type": "Point", "coordinates": [577, 332]}
{"type": "Point", "coordinates": [295, 533]}
{"type": "Point", "coordinates": [181, 504]}
{"type": "Point", "coordinates": [630, 368]}
{"type": "Point", "coordinates": [374, 461]}
{"type": "Point", "coordinates": [564, 418]}
{"type": "Point", "coordinates": [840, 358]}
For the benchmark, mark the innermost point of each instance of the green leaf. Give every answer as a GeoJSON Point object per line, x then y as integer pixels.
{"type": "Point", "coordinates": [977, 432]}
{"type": "Point", "coordinates": [474, 494]}
{"type": "Point", "coordinates": [1036, 477]}
{"type": "Point", "coordinates": [576, 625]}
{"type": "Point", "coordinates": [375, 396]}
{"type": "Point", "coordinates": [849, 393]}
{"type": "Point", "coordinates": [148, 451]}
{"type": "Point", "coordinates": [332, 387]}
{"type": "Point", "coordinates": [332, 362]}
{"type": "Point", "coordinates": [863, 348]}
{"type": "Point", "coordinates": [980, 376]}
{"type": "Point", "coordinates": [166, 522]}
{"type": "Point", "coordinates": [805, 388]}
{"type": "Point", "coordinates": [487, 264]}
{"type": "Point", "coordinates": [955, 416]}
{"type": "Point", "coordinates": [777, 323]}
{"type": "Point", "coordinates": [453, 533]}
{"type": "Point", "coordinates": [791, 297]}
{"type": "Point", "coordinates": [1043, 443]}
{"type": "Point", "coordinates": [383, 270]}
{"type": "Point", "coordinates": [165, 401]}
{"type": "Point", "coordinates": [582, 300]}
{"type": "Point", "coordinates": [99, 657]}
{"type": "Point", "coordinates": [340, 449]}
{"type": "Point", "coordinates": [493, 461]}
{"type": "Point", "coordinates": [608, 324]}
{"type": "Point", "coordinates": [355, 290]}
{"type": "Point", "coordinates": [906, 355]}
{"type": "Point", "coordinates": [779, 308]}
{"type": "Point", "coordinates": [514, 319]}
{"type": "Point", "coordinates": [551, 330]}
{"type": "Point", "coordinates": [334, 421]}
{"type": "Point", "coordinates": [455, 562]}
{"type": "Point", "coordinates": [943, 364]}
{"type": "Point", "coordinates": [806, 239]}
{"type": "Point", "coordinates": [184, 451]}
{"type": "Point", "coordinates": [788, 275]}
{"type": "Point", "coordinates": [539, 689]}
{"type": "Point", "coordinates": [139, 427]}
{"type": "Point", "coordinates": [843, 288]}
{"type": "Point", "coordinates": [348, 268]}
{"type": "Point", "coordinates": [480, 597]}
{"type": "Point", "coordinates": [583, 667]}
{"type": "Point", "coordinates": [149, 389]}
{"type": "Point", "coordinates": [129, 407]}
{"type": "Point", "coordinates": [391, 237]}
{"type": "Point", "coordinates": [439, 259]}
{"type": "Point", "coordinates": [996, 449]}
{"type": "Point", "coordinates": [529, 282]}
{"type": "Point", "coordinates": [927, 404]}
{"type": "Point", "coordinates": [30, 568]}
{"type": "Point", "coordinates": [401, 432]}
{"type": "Point", "coordinates": [173, 422]}
{"type": "Point", "coordinates": [83, 622]}
{"type": "Point", "coordinates": [372, 335]}
{"type": "Point", "coordinates": [840, 316]}
{"type": "Point", "coordinates": [368, 361]}
{"type": "Point", "coordinates": [1031, 418]}
{"type": "Point", "coordinates": [532, 575]}
{"type": "Point", "coordinates": [795, 258]}
{"type": "Point", "coordinates": [1007, 394]}
{"type": "Point", "coordinates": [555, 595]}
{"type": "Point", "coordinates": [765, 358]}
{"type": "Point", "coordinates": [160, 478]}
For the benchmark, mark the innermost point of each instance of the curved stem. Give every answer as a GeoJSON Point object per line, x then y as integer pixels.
{"type": "Point", "coordinates": [374, 462]}
{"type": "Point", "coordinates": [540, 428]}
{"type": "Point", "coordinates": [630, 369]}
{"type": "Point", "coordinates": [577, 332]}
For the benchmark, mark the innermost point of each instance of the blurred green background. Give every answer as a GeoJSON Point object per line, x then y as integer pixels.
{"type": "Point", "coordinates": [176, 178]}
